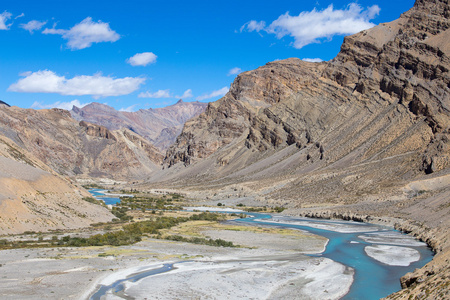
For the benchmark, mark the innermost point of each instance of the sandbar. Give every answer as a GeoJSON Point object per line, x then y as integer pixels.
{"type": "Point", "coordinates": [393, 255]}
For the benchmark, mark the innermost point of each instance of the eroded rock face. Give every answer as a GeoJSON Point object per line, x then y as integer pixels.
{"type": "Point", "coordinates": [386, 93]}
{"type": "Point", "coordinates": [72, 148]}
{"type": "Point", "coordinates": [97, 131]}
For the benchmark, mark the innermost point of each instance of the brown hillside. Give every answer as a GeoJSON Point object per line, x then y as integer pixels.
{"type": "Point", "coordinates": [75, 148]}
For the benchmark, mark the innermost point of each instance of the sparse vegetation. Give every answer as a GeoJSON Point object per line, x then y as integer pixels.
{"type": "Point", "coordinates": [92, 186]}
{"type": "Point", "coordinates": [17, 155]}
{"type": "Point", "coordinates": [171, 202]}
{"type": "Point", "coordinates": [129, 234]}
{"type": "Point", "coordinates": [277, 209]}
{"type": "Point", "coordinates": [121, 213]}
{"type": "Point", "coordinates": [201, 241]}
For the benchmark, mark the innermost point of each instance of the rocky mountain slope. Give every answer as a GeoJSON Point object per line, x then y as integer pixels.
{"type": "Point", "coordinates": [160, 126]}
{"type": "Point", "coordinates": [41, 151]}
{"type": "Point", "coordinates": [73, 148]}
{"type": "Point", "coordinates": [366, 134]}
{"type": "Point", "coordinates": [380, 110]}
{"type": "Point", "coordinates": [4, 103]}
{"type": "Point", "coordinates": [35, 198]}
{"type": "Point", "coordinates": [386, 93]}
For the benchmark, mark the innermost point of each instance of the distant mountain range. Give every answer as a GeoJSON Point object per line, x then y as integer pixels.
{"type": "Point", "coordinates": [160, 126]}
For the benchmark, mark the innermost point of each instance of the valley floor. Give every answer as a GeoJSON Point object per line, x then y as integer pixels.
{"type": "Point", "coordinates": [75, 273]}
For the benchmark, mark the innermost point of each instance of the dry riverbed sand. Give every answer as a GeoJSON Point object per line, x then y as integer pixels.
{"type": "Point", "coordinates": [269, 266]}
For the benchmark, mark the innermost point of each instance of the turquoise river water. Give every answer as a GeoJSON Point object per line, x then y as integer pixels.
{"type": "Point", "coordinates": [372, 279]}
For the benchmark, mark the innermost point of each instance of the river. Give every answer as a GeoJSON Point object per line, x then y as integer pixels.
{"type": "Point", "coordinates": [372, 279]}
{"type": "Point", "coordinates": [109, 199]}
{"type": "Point", "coordinates": [379, 255]}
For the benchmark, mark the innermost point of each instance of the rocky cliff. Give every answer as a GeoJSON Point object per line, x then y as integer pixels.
{"type": "Point", "coordinates": [386, 93]}
{"type": "Point", "coordinates": [379, 111]}
{"type": "Point", "coordinates": [160, 126]}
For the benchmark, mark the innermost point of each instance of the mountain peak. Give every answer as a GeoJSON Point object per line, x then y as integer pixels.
{"type": "Point", "coordinates": [4, 103]}
{"type": "Point", "coordinates": [401, 66]}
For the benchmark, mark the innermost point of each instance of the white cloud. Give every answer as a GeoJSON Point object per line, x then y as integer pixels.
{"type": "Point", "coordinates": [85, 33]}
{"type": "Point", "coordinates": [19, 16]}
{"type": "Point", "coordinates": [96, 85]}
{"type": "Point", "coordinates": [142, 59]}
{"type": "Point", "coordinates": [253, 26]}
{"type": "Point", "coordinates": [316, 60]}
{"type": "Point", "coordinates": [158, 94]}
{"type": "Point", "coordinates": [33, 25]}
{"type": "Point", "coordinates": [129, 108]}
{"type": "Point", "coordinates": [218, 93]}
{"type": "Point", "coordinates": [187, 94]}
{"type": "Point", "coordinates": [4, 17]}
{"type": "Point", "coordinates": [311, 27]}
{"type": "Point", "coordinates": [234, 71]}
{"type": "Point", "coordinates": [59, 104]}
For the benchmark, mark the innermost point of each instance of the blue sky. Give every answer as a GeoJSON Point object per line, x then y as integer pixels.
{"type": "Point", "coordinates": [140, 54]}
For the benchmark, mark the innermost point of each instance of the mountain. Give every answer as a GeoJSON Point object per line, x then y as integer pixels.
{"type": "Point", "coordinates": [382, 103]}
{"type": "Point", "coordinates": [395, 73]}
{"type": "Point", "coordinates": [80, 149]}
{"type": "Point", "coordinates": [366, 135]}
{"type": "Point", "coordinates": [41, 149]}
{"type": "Point", "coordinates": [35, 198]}
{"type": "Point", "coordinates": [160, 126]}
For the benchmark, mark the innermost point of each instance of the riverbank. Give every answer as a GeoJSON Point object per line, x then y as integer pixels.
{"type": "Point", "coordinates": [342, 249]}
{"type": "Point", "coordinates": [261, 277]}
{"type": "Point", "coordinates": [258, 269]}
{"type": "Point", "coordinates": [428, 282]}
{"type": "Point", "coordinates": [58, 273]}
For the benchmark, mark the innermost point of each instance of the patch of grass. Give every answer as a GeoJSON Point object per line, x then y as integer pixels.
{"type": "Point", "coordinates": [276, 209]}
{"type": "Point", "coordinates": [279, 231]}
{"type": "Point", "coordinates": [123, 252]}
